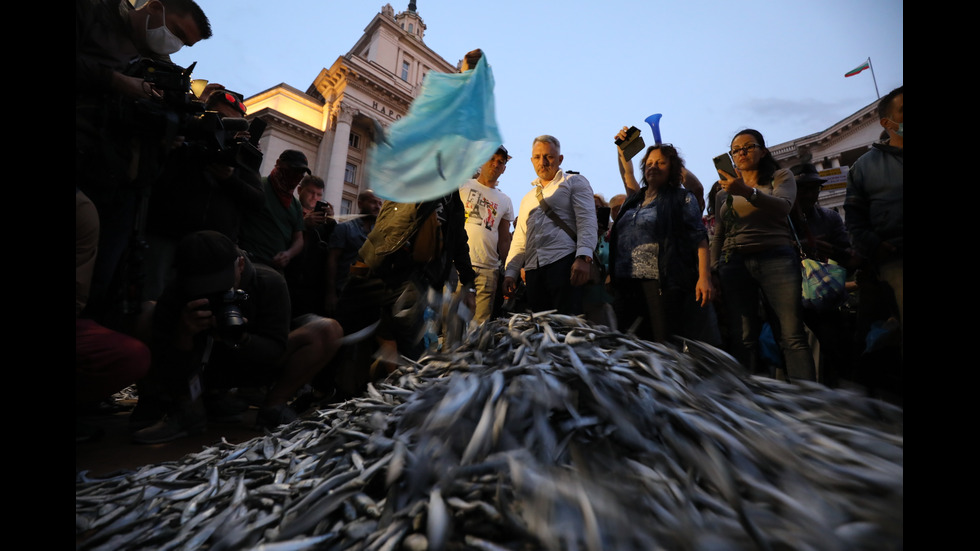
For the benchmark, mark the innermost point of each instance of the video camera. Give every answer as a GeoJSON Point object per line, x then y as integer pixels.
{"type": "Point", "coordinates": [178, 114]}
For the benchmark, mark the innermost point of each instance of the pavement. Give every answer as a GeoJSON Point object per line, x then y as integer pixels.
{"type": "Point", "coordinates": [113, 450]}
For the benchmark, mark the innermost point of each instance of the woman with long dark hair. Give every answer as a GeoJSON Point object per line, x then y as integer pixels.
{"type": "Point", "coordinates": [753, 253]}
{"type": "Point", "coordinates": [658, 253]}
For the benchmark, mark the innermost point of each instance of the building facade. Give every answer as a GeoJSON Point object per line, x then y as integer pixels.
{"type": "Point", "coordinates": [333, 121]}
{"type": "Point", "coordinates": [833, 151]}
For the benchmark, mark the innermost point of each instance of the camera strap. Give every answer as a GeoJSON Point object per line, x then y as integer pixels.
{"type": "Point", "coordinates": [539, 193]}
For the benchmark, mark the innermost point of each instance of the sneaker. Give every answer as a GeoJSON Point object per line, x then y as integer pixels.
{"type": "Point", "coordinates": [187, 420]}
{"type": "Point", "coordinates": [272, 417]}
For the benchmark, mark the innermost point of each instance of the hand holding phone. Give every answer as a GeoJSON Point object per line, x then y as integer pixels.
{"type": "Point", "coordinates": [723, 163]}
{"type": "Point", "coordinates": [632, 144]}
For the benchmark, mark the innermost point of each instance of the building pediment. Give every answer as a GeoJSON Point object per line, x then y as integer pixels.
{"type": "Point", "coordinates": [841, 142]}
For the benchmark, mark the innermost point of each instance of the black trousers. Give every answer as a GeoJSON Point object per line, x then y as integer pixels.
{"type": "Point", "coordinates": [550, 288]}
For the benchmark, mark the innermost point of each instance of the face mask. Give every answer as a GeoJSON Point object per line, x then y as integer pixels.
{"type": "Point", "coordinates": [899, 131]}
{"type": "Point", "coordinates": [160, 39]}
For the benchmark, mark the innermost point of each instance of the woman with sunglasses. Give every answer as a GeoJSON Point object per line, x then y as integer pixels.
{"type": "Point", "coordinates": [753, 252]}
{"type": "Point", "coordinates": [658, 252]}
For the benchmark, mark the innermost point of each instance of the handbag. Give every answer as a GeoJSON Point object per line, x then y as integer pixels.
{"type": "Point", "coordinates": [823, 282]}
{"type": "Point", "coordinates": [597, 272]}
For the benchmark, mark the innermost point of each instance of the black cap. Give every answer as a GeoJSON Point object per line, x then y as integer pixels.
{"type": "Point", "coordinates": [205, 263]}
{"type": "Point", "coordinates": [807, 174]}
{"type": "Point", "coordinates": [503, 151]}
{"type": "Point", "coordinates": [292, 158]}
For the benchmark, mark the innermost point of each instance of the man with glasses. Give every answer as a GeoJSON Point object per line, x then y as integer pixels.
{"type": "Point", "coordinates": [275, 235]}
{"type": "Point", "coordinates": [556, 265]}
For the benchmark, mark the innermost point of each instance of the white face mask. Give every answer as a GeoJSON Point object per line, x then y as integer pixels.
{"type": "Point", "coordinates": [160, 39]}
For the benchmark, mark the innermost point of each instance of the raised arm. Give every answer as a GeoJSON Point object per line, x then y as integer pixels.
{"type": "Point", "coordinates": [626, 167]}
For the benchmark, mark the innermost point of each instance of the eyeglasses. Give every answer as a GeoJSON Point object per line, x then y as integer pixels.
{"type": "Point", "coordinates": [744, 150]}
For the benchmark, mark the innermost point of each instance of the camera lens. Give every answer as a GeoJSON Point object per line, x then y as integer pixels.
{"type": "Point", "coordinates": [226, 309]}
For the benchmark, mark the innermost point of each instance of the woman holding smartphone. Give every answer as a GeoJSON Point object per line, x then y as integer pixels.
{"type": "Point", "coordinates": [658, 253]}
{"type": "Point", "coordinates": [753, 251]}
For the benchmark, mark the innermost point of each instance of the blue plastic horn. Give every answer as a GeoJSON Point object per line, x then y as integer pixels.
{"type": "Point", "coordinates": [654, 121]}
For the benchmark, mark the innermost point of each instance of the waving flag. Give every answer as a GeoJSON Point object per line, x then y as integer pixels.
{"type": "Point", "coordinates": [858, 69]}
{"type": "Point", "coordinates": [449, 132]}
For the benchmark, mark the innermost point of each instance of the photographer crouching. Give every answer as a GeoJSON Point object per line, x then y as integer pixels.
{"type": "Point", "coordinates": [223, 323]}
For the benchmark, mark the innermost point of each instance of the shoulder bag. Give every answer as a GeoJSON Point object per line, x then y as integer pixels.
{"type": "Point", "coordinates": [823, 282]}
{"type": "Point", "coordinates": [597, 272]}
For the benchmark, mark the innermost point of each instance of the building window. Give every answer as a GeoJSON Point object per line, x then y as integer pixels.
{"type": "Point", "coordinates": [354, 141]}
{"type": "Point", "coordinates": [411, 28]}
{"type": "Point", "coordinates": [349, 173]}
{"type": "Point", "coordinates": [346, 206]}
{"type": "Point", "coordinates": [405, 71]}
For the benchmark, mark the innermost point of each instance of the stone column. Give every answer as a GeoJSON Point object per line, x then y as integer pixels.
{"type": "Point", "coordinates": [334, 181]}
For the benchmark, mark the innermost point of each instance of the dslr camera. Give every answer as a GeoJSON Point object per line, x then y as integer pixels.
{"type": "Point", "coordinates": [226, 306]}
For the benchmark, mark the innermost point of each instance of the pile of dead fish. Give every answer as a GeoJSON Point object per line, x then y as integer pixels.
{"type": "Point", "coordinates": [535, 432]}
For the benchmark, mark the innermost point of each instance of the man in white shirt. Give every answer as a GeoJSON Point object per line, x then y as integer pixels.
{"type": "Point", "coordinates": [489, 216]}
{"type": "Point", "coordinates": [556, 265]}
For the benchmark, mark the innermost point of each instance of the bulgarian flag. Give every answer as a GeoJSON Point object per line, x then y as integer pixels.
{"type": "Point", "coordinates": [858, 69]}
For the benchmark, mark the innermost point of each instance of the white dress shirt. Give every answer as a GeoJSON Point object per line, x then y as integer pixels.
{"type": "Point", "coordinates": [538, 241]}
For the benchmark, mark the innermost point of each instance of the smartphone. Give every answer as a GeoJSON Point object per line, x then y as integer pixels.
{"type": "Point", "coordinates": [723, 163]}
{"type": "Point", "coordinates": [633, 143]}
{"type": "Point", "coordinates": [320, 207]}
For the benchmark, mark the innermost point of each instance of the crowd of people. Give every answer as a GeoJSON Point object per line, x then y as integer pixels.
{"type": "Point", "coordinates": [197, 277]}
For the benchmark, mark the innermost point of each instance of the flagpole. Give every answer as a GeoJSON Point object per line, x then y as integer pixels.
{"type": "Point", "coordinates": [870, 66]}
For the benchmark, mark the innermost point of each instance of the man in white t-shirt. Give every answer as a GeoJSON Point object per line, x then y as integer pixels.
{"type": "Point", "coordinates": [489, 217]}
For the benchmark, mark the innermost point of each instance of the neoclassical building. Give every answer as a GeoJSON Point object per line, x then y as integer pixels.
{"type": "Point", "coordinates": [333, 120]}
{"type": "Point", "coordinates": [833, 151]}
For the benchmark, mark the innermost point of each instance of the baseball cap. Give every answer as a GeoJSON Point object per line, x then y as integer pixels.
{"type": "Point", "coordinates": [295, 159]}
{"type": "Point", "coordinates": [205, 263]}
{"type": "Point", "coordinates": [503, 151]}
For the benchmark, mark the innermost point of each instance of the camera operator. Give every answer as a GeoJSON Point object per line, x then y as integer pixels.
{"type": "Point", "coordinates": [201, 189]}
{"type": "Point", "coordinates": [225, 323]}
{"type": "Point", "coordinates": [114, 157]}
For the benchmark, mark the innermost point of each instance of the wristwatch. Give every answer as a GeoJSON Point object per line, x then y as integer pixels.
{"type": "Point", "coordinates": [587, 259]}
{"type": "Point", "coordinates": [753, 195]}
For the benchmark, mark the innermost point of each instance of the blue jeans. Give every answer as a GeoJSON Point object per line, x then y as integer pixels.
{"type": "Point", "coordinates": [776, 275]}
